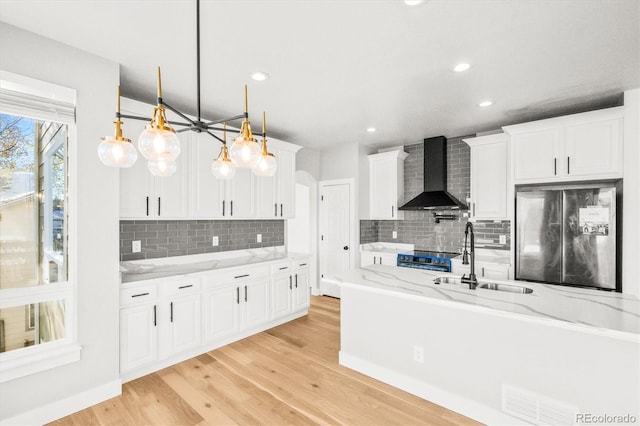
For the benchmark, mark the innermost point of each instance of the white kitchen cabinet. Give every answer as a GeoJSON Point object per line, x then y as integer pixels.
{"type": "Point", "coordinates": [490, 270]}
{"type": "Point", "coordinates": [138, 336]}
{"type": "Point", "coordinates": [142, 195]}
{"type": "Point", "coordinates": [182, 330]}
{"type": "Point", "coordinates": [386, 184]}
{"type": "Point", "coordinates": [256, 302]}
{"type": "Point", "coordinates": [289, 287]}
{"type": "Point", "coordinates": [301, 284]}
{"type": "Point", "coordinates": [220, 308]}
{"type": "Point", "coordinates": [490, 187]}
{"type": "Point", "coordinates": [583, 146]}
{"type": "Point", "coordinates": [276, 198]}
{"type": "Point", "coordinates": [377, 258]}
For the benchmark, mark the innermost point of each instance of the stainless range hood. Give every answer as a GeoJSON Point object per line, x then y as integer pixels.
{"type": "Point", "coordinates": [435, 195]}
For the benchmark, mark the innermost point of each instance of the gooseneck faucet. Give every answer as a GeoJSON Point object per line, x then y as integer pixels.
{"type": "Point", "coordinates": [471, 280]}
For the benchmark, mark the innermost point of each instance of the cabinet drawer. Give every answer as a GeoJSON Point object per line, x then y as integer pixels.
{"type": "Point", "coordinates": [185, 286]}
{"type": "Point", "coordinates": [214, 279]}
{"type": "Point", "coordinates": [301, 264]}
{"type": "Point", "coordinates": [281, 267]}
{"type": "Point", "coordinates": [132, 296]}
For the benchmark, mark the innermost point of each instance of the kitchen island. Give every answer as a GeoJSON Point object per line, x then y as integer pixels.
{"type": "Point", "coordinates": [501, 358]}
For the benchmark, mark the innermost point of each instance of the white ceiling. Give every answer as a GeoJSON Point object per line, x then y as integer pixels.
{"type": "Point", "coordinates": [340, 66]}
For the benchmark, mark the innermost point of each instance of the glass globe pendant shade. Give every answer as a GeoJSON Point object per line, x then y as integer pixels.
{"type": "Point", "coordinates": [162, 167]}
{"type": "Point", "coordinates": [159, 140]}
{"type": "Point", "coordinates": [114, 152]}
{"type": "Point", "coordinates": [222, 167]}
{"type": "Point", "coordinates": [266, 165]}
{"type": "Point", "coordinates": [245, 151]}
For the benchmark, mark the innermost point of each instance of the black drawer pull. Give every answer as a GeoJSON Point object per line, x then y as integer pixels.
{"type": "Point", "coordinates": [141, 294]}
{"type": "Point", "coordinates": [302, 264]}
{"type": "Point", "coordinates": [241, 276]}
{"type": "Point", "coordinates": [284, 267]}
{"type": "Point", "coordinates": [245, 293]}
{"type": "Point", "coordinates": [296, 280]}
{"type": "Point", "coordinates": [185, 286]}
{"type": "Point", "coordinates": [155, 316]}
{"type": "Point", "coordinates": [238, 295]}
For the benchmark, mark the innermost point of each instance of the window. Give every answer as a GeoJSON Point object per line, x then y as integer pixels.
{"type": "Point", "coordinates": [37, 291]}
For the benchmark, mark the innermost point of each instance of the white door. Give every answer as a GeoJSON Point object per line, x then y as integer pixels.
{"type": "Point", "coordinates": [184, 323]}
{"type": "Point", "coordinates": [335, 233]}
{"type": "Point", "coordinates": [301, 289]}
{"type": "Point", "coordinates": [138, 336]}
{"type": "Point", "coordinates": [221, 312]}
{"type": "Point", "coordinates": [282, 285]}
{"type": "Point", "coordinates": [256, 301]}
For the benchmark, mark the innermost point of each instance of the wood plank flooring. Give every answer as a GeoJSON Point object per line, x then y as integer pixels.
{"type": "Point", "coordinates": [287, 375]}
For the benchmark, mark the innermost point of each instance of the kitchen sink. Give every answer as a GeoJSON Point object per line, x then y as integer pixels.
{"type": "Point", "coordinates": [510, 288]}
{"type": "Point", "coordinates": [506, 287]}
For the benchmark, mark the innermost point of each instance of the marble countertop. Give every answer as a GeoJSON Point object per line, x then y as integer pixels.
{"type": "Point", "coordinates": [387, 247]}
{"type": "Point", "coordinates": [578, 306]}
{"type": "Point", "coordinates": [149, 269]}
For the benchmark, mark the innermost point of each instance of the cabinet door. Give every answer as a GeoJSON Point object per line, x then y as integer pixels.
{"type": "Point", "coordinates": [184, 323]}
{"type": "Point", "coordinates": [206, 192]}
{"type": "Point", "coordinates": [382, 194]}
{"type": "Point", "coordinates": [256, 302]}
{"type": "Point", "coordinates": [170, 195]}
{"type": "Point", "coordinates": [367, 258]}
{"type": "Point", "coordinates": [301, 289]}
{"type": "Point", "coordinates": [286, 184]}
{"type": "Point", "coordinates": [495, 271]}
{"type": "Point", "coordinates": [221, 312]}
{"type": "Point", "coordinates": [593, 149]}
{"type": "Point", "coordinates": [489, 176]}
{"type": "Point", "coordinates": [282, 286]}
{"type": "Point", "coordinates": [537, 155]}
{"type": "Point", "coordinates": [240, 200]}
{"type": "Point", "coordinates": [267, 188]}
{"type": "Point", "coordinates": [389, 259]}
{"type": "Point", "coordinates": [138, 336]}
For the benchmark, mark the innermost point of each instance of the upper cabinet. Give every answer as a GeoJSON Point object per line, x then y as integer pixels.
{"type": "Point", "coordinates": [575, 147]}
{"type": "Point", "coordinates": [489, 176]}
{"type": "Point", "coordinates": [193, 191]}
{"type": "Point", "coordinates": [142, 195]}
{"type": "Point", "coordinates": [386, 184]}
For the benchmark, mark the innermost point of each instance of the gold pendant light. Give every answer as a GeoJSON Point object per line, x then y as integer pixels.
{"type": "Point", "coordinates": [266, 165]}
{"type": "Point", "coordinates": [117, 151]}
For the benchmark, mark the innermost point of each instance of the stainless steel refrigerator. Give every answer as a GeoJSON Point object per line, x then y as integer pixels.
{"type": "Point", "coordinates": [567, 235]}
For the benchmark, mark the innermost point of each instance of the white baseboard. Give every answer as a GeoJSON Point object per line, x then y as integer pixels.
{"type": "Point", "coordinates": [58, 409]}
{"type": "Point", "coordinates": [446, 399]}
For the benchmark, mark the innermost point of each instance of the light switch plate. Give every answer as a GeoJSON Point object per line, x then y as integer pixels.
{"type": "Point", "coordinates": [215, 241]}
{"type": "Point", "coordinates": [503, 239]}
{"type": "Point", "coordinates": [136, 246]}
{"type": "Point", "coordinates": [258, 238]}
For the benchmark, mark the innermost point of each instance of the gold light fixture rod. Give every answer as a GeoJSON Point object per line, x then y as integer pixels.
{"type": "Point", "coordinates": [224, 133]}
{"type": "Point", "coordinates": [159, 84]}
{"type": "Point", "coordinates": [246, 100]}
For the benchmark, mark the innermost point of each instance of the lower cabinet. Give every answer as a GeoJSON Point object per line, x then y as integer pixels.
{"type": "Point", "coordinates": [166, 320]}
{"type": "Point", "coordinates": [496, 271]}
{"type": "Point", "coordinates": [377, 258]}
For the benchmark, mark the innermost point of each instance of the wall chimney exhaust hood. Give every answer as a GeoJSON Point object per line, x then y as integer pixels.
{"type": "Point", "coordinates": [435, 195]}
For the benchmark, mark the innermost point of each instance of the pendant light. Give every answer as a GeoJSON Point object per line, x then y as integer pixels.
{"type": "Point", "coordinates": [266, 165]}
{"type": "Point", "coordinates": [158, 142]}
{"type": "Point", "coordinates": [245, 151]}
{"type": "Point", "coordinates": [117, 151]}
{"type": "Point", "coordinates": [222, 167]}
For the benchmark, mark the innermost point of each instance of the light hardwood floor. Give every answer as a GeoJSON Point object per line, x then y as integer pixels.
{"type": "Point", "coordinates": [287, 375]}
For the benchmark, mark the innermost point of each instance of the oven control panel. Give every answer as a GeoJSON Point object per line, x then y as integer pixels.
{"type": "Point", "coordinates": [424, 261]}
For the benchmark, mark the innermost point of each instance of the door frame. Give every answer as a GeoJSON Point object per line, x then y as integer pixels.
{"type": "Point", "coordinates": [350, 182]}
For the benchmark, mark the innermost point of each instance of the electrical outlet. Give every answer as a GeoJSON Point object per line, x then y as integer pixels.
{"type": "Point", "coordinates": [215, 241]}
{"type": "Point", "coordinates": [503, 239]}
{"type": "Point", "coordinates": [136, 246]}
{"type": "Point", "coordinates": [394, 234]}
{"type": "Point", "coordinates": [418, 354]}
{"type": "Point", "coordinates": [258, 238]}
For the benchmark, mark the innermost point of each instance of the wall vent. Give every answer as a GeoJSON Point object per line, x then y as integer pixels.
{"type": "Point", "coordinates": [536, 408]}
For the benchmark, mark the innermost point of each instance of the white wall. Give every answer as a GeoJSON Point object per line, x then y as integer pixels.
{"type": "Point", "coordinates": [95, 80]}
{"type": "Point", "coordinates": [631, 194]}
{"type": "Point", "coordinates": [308, 160]}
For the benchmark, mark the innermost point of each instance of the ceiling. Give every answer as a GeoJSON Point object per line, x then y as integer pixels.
{"type": "Point", "coordinates": [338, 67]}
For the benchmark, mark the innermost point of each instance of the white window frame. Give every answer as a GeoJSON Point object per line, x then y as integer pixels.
{"type": "Point", "coordinates": [27, 97]}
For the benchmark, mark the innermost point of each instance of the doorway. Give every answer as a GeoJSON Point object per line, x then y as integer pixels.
{"type": "Point", "coordinates": [337, 233]}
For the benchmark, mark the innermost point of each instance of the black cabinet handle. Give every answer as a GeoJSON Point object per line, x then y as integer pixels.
{"type": "Point", "coordinates": [374, 260]}
{"type": "Point", "coordinates": [555, 166]}
{"type": "Point", "coordinates": [147, 206]}
{"type": "Point", "coordinates": [280, 210]}
{"type": "Point", "coordinates": [171, 314]}
{"type": "Point", "coordinates": [158, 206]}
{"type": "Point", "coordinates": [290, 284]}
{"type": "Point", "coordinates": [141, 294]}
{"type": "Point", "coordinates": [568, 168]}
{"type": "Point", "coordinates": [283, 268]}
{"type": "Point", "coordinates": [275, 209]}
{"type": "Point", "coordinates": [241, 276]}
{"type": "Point", "coordinates": [231, 202]}
{"type": "Point", "coordinates": [185, 286]}
{"type": "Point", "coordinates": [381, 260]}
{"type": "Point", "coordinates": [238, 295]}
{"type": "Point", "coordinates": [222, 207]}
{"type": "Point", "coordinates": [245, 293]}
{"type": "Point", "coordinates": [296, 280]}
{"type": "Point", "coordinates": [483, 271]}
{"type": "Point", "coordinates": [155, 316]}
{"type": "Point", "coordinates": [302, 264]}
{"type": "Point", "coordinates": [392, 211]}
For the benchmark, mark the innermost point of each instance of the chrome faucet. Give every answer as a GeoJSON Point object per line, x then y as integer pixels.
{"type": "Point", "coordinates": [471, 280]}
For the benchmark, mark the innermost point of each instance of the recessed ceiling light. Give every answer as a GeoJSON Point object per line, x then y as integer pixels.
{"type": "Point", "coordinates": [485, 104]}
{"type": "Point", "coordinates": [412, 2]}
{"type": "Point", "coordinates": [461, 67]}
{"type": "Point", "coordinates": [371, 129]}
{"type": "Point", "coordinates": [259, 76]}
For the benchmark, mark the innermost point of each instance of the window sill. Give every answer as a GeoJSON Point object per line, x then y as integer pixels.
{"type": "Point", "coordinates": [35, 359]}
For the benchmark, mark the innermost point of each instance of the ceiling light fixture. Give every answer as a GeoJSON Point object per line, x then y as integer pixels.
{"type": "Point", "coordinates": [371, 130]}
{"type": "Point", "coordinates": [461, 67]}
{"type": "Point", "coordinates": [412, 2]}
{"type": "Point", "coordinates": [160, 145]}
{"type": "Point", "coordinates": [259, 76]}
{"type": "Point", "coordinates": [485, 104]}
